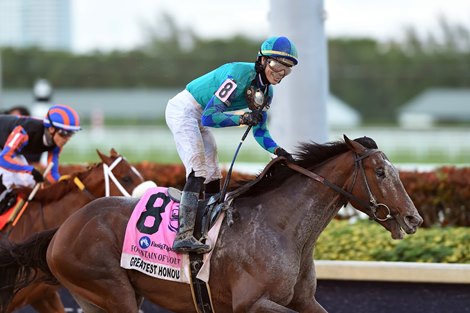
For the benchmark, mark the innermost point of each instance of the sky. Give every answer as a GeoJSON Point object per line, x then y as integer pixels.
{"type": "Point", "coordinates": [120, 24]}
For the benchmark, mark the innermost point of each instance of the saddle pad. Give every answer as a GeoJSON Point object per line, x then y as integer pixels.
{"type": "Point", "coordinates": [5, 217]}
{"type": "Point", "coordinates": [149, 237]}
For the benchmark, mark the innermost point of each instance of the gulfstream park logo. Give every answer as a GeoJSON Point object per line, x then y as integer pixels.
{"type": "Point", "coordinates": [144, 242]}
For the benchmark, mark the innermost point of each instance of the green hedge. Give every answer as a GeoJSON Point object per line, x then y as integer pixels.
{"type": "Point", "coordinates": [368, 241]}
{"type": "Point", "coordinates": [442, 196]}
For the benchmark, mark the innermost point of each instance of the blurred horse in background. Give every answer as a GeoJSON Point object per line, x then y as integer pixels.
{"type": "Point", "coordinates": [53, 204]}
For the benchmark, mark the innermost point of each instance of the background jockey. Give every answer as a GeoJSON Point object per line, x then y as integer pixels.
{"type": "Point", "coordinates": [20, 134]}
{"type": "Point", "coordinates": [207, 102]}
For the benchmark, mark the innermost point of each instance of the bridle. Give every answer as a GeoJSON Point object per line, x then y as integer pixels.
{"type": "Point", "coordinates": [108, 177]}
{"type": "Point", "coordinates": [108, 174]}
{"type": "Point", "coordinates": [371, 205]}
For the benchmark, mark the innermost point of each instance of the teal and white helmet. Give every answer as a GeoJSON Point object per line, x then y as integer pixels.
{"type": "Point", "coordinates": [279, 47]}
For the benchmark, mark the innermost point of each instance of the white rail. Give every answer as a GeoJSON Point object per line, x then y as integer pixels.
{"type": "Point", "coordinates": [393, 271]}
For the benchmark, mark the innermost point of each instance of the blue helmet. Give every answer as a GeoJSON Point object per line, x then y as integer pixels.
{"type": "Point", "coordinates": [279, 47]}
{"type": "Point", "coordinates": [62, 117]}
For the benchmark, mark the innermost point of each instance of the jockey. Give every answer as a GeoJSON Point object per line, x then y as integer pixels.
{"type": "Point", "coordinates": [22, 134]}
{"type": "Point", "coordinates": [207, 102]}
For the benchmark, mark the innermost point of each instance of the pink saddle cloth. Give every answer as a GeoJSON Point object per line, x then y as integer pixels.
{"type": "Point", "coordinates": [149, 238]}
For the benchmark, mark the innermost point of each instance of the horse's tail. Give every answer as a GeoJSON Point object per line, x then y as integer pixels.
{"type": "Point", "coordinates": [20, 263]}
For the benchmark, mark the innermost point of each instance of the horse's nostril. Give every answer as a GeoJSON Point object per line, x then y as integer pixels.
{"type": "Point", "coordinates": [413, 220]}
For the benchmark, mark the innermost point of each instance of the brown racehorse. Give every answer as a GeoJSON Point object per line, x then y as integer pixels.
{"type": "Point", "coordinates": [261, 263]}
{"type": "Point", "coordinates": [54, 204]}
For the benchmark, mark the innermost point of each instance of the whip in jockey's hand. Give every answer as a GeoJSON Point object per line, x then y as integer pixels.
{"type": "Point", "coordinates": [24, 134]}
{"type": "Point", "coordinates": [213, 100]}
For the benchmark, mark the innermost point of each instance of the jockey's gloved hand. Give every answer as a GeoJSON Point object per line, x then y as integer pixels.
{"type": "Point", "coordinates": [38, 178]}
{"type": "Point", "coordinates": [251, 118]}
{"type": "Point", "coordinates": [283, 153]}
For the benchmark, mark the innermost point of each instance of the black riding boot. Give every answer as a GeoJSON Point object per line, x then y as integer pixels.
{"type": "Point", "coordinates": [185, 241]}
{"type": "Point", "coordinates": [212, 188]}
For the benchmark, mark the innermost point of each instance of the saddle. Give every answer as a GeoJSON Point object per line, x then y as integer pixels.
{"type": "Point", "coordinates": [210, 209]}
{"type": "Point", "coordinates": [207, 212]}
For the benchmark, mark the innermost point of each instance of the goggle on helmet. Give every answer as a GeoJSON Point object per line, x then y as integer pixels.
{"type": "Point", "coordinates": [64, 118]}
{"type": "Point", "coordinates": [280, 48]}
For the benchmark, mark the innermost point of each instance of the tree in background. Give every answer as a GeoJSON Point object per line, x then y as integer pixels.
{"type": "Point", "coordinates": [375, 77]}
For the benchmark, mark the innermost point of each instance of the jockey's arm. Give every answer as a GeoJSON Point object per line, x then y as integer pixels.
{"type": "Point", "coordinates": [262, 135]}
{"type": "Point", "coordinates": [53, 156]}
{"type": "Point", "coordinates": [17, 139]}
{"type": "Point", "coordinates": [214, 115]}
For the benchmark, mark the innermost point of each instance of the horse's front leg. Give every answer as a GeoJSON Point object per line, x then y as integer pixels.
{"type": "Point", "coordinates": [266, 305]}
{"type": "Point", "coordinates": [312, 307]}
{"type": "Point", "coordinates": [248, 296]}
{"type": "Point", "coordinates": [49, 303]}
{"type": "Point", "coordinates": [43, 298]}
{"type": "Point", "coordinates": [304, 290]}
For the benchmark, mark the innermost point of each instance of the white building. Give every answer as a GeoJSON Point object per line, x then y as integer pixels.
{"type": "Point", "coordinates": [340, 115]}
{"type": "Point", "coordinates": [436, 105]}
{"type": "Point", "coordinates": [43, 23]}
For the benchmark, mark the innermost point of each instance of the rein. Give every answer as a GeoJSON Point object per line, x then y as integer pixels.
{"type": "Point", "coordinates": [372, 204]}
{"type": "Point", "coordinates": [82, 187]}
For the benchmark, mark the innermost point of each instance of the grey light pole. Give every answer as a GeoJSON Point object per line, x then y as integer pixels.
{"type": "Point", "coordinates": [298, 112]}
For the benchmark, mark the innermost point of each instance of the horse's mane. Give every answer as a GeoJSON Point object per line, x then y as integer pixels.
{"type": "Point", "coordinates": [58, 190]}
{"type": "Point", "coordinates": [309, 155]}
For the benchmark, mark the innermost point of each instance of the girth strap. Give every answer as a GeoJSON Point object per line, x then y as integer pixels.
{"type": "Point", "coordinates": [199, 289]}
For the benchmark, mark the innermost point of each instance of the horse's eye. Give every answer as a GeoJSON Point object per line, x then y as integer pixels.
{"type": "Point", "coordinates": [127, 179]}
{"type": "Point", "coordinates": [380, 172]}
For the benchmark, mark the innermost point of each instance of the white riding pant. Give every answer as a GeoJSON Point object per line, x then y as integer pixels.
{"type": "Point", "coordinates": [11, 179]}
{"type": "Point", "coordinates": [195, 143]}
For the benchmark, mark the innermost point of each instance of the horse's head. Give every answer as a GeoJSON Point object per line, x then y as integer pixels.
{"type": "Point", "coordinates": [119, 175]}
{"type": "Point", "coordinates": [379, 192]}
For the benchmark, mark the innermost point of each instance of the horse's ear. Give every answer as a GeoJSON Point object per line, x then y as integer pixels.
{"type": "Point", "coordinates": [354, 145]}
{"type": "Point", "coordinates": [113, 153]}
{"type": "Point", "coordinates": [103, 157]}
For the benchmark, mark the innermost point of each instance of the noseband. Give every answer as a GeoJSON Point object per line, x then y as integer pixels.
{"type": "Point", "coordinates": [372, 204]}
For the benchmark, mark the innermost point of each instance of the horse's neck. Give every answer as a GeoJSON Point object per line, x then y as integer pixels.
{"type": "Point", "coordinates": [95, 183]}
{"type": "Point", "coordinates": [311, 205]}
